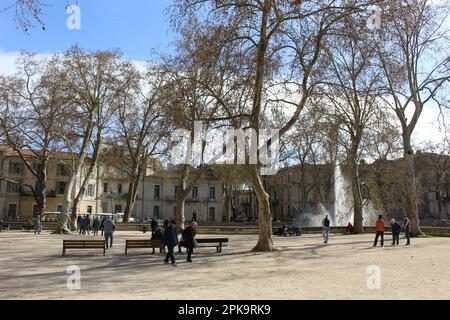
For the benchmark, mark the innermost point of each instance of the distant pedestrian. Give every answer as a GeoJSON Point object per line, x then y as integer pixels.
{"type": "Point", "coordinates": [189, 240]}
{"type": "Point", "coordinates": [395, 232]}
{"type": "Point", "coordinates": [87, 225]}
{"type": "Point", "coordinates": [79, 222]}
{"type": "Point", "coordinates": [325, 229]}
{"type": "Point", "coordinates": [154, 225]}
{"type": "Point", "coordinates": [349, 228]}
{"type": "Point", "coordinates": [406, 226]}
{"type": "Point", "coordinates": [102, 225]}
{"type": "Point", "coordinates": [170, 239]}
{"type": "Point", "coordinates": [38, 225]}
{"type": "Point", "coordinates": [157, 235]}
{"type": "Point", "coordinates": [95, 226]}
{"type": "Point", "coordinates": [380, 231]}
{"type": "Point", "coordinates": [109, 227]}
{"type": "Point", "coordinates": [81, 227]}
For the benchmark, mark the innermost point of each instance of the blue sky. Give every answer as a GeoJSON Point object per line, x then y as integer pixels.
{"type": "Point", "coordinates": [134, 26]}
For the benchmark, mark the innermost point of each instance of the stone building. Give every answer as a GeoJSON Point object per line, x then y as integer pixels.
{"type": "Point", "coordinates": [157, 197]}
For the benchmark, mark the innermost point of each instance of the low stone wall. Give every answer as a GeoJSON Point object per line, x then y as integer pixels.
{"type": "Point", "coordinates": [235, 229]}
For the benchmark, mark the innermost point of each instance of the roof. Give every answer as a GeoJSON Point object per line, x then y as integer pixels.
{"type": "Point", "coordinates": [10, 152]}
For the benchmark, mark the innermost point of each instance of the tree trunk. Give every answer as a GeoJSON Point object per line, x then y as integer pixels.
{"type": "Point", "coordinates": [412, 210]}
{"type": "Point", "coordinates": [265, 242]}
{"type": "Point", "coordinates": [356, 190]}
{"type": "Point", "coordinates": [180, 211]}
{"type": "Point", "coordinates": [357, 205]}
{"type": "Point", "coordinates": [131, 198]}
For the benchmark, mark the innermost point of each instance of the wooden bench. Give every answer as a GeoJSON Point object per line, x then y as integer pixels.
{"type": "Point", "coordinates": [139, 244]}
{"type": "Point", "coordinates": [83, 244]}
{"type": "Point", "coordinates": [217, 243]}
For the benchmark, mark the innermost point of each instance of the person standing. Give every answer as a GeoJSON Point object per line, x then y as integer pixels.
{"type": "Point", "coordinates": [95, 226]}
{"type": "Point", "coordinates": [81, 227]}
{"type": "Point", "coordinates": [395, 232]}
{"type": "Point", "coordinates": [170, 240]}
{"type": "Point", "coordinates": [87, 225]}
{"type": "Point", "coordinates": [154, 225]}
{"type": "Point", "coordinates": [38, 225]}
{"type": "Point", "coordinates": [380, 231]}
{"type": "Point", "coordinates": [325, 229]}
{"type": "Point", "coordinates": [102, 225]}
{"type": "Point", "coordinates": [406, 226]}
{"type": "Point", "coordinates": [108, 228]}
{"type": "Point", "coordinates": [79, 222]}
{"type": "Point", "coordinates": [189, 240]}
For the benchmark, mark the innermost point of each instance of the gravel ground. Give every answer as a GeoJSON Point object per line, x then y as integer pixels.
{"type": "Point", "coordinates": [303, 268]}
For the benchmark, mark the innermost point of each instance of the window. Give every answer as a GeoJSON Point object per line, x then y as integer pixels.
{"type": "Point", "coordinates": [212, 214]}
{"type": "Point", "coordinates": [212, 193]}
{"type": "Point", "coordinates": [156, 212]}
{"type": "Point", "coordinates": [174, 211]}
{"type": "Point", "coordinates": [117, 209]}
{"type": "Point", "coordinates": [16, 168]}
{"type": "Point", "coordinates": [59, 208]}
{"type": "Point", "coordinates": [12, 187]}
{"type": "Point", "coordinates": [105, 187]}
{"type": "Point", "coordinates": [61, 170]}
{"type": "Point", "coordinates": [90, 190]}
{"type": "Point", "coordinates": [12, 210]}
{"type": "Point", "coordinates": [175, 191]}
{"type": "Point", "coordinates": [195, 193]}
{"type": "Point", "coordinates": [61, 187]}
{"type": "Point", "coordinates": [89, 209]}
{"type": "Point", "coordinates": [194, 216]}
{"type": "Point", "coordinates": [157, 191]}
{"type": "Point", "coordinates": [119, 188]}
{"type": "Point", "coordinates": [104, 207]}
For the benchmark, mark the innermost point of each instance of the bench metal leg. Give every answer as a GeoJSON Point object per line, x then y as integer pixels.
{"type": "Point", "coordinates": [64, 252]}
{"type": "Point", "coordinates": [126, 250]}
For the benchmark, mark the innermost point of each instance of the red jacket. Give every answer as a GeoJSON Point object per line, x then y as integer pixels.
{"type": "Point", "coordinates": [380, 225]}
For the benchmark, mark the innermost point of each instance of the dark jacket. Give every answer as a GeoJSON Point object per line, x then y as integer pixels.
{"type": "Point", "coordinates": [170, 237]}
{"type": "Point", "coordinates": [188, 237]}
{"type": "Point", "coordinates": [154, 224]}
{"type": "Point", "coordinates": [395, 227]}
{"type": "Point", "coordinates": [157, 235]}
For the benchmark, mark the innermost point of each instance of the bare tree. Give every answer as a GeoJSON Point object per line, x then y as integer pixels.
{"type": "Point", "coordinates": [412, 51]}
{"type": "Point", "coordinates": [351, 90]}
{"type": "Point", "coordinates": [27, 13]}
{"type": "Point", "coordinates": [141, 128]}
{"type": "Point", "coordinates": [92, 83]}
{"type": "Point", "coordinates": [32, 113]}
{"type": "Point", "coordinates": [272, 40]}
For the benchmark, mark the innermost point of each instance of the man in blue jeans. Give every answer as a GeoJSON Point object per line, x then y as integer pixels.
{"type": "Point", "coordinates": [108, 228]}
{"type": "Point", "coordinates": [326, 228]}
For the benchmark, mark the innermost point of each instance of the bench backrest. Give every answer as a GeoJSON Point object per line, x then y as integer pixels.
{"type": "Point", "coordinates": [84, 243]}
{"type": "Point", "coordinates": [143, 242]}
{"type": "Point", "coordinates": [212, 240]}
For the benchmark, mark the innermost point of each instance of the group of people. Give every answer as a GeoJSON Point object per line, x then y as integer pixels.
{"type": "Point", "coordinates": [169, 239]}
{"type": "Point", "coordinates": [396, 229]}
{"type": "Point", "coordinates": [85, 225]}
{"type": "Point", "coordinates": [379, 228]}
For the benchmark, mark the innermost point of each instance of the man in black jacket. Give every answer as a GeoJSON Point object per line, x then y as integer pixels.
{"type": "Point", "coordinates": [189, 239]}
{"type": "Point", "coordinates": [396, 228]}
{"type": "Point", "coordinates": [170, 239]}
